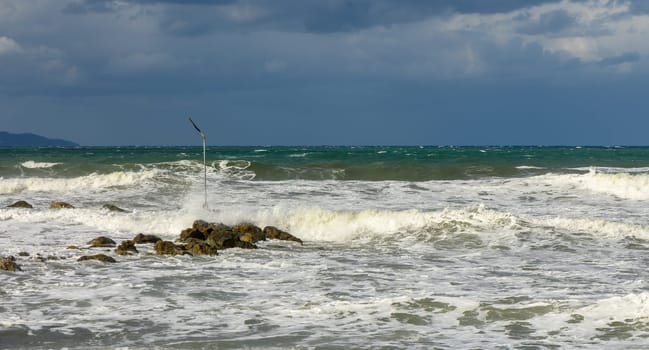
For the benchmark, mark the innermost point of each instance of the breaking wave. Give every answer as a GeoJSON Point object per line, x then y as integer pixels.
{"type": "Point", "coordinates": [627, 185]}
{"type": "Point", "coordinates": [38, 165]}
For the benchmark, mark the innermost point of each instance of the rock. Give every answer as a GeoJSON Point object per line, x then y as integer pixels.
{"type": "Point", "coordinates": [249, 233]}
{"type": "Point", "coordinates": [126, 247]}
{"type": "Point", "coordinates": [23, 254]}
{"type": "Point", "coordinates": [200, 225]}
{"type": "Point", "coordinates": [20, 204]}
{"type": "Point", "coordinates": [102, 242]}
{"type": "Point", "coordinates": [191, 233]}
{"type": "Point", "coordinates": [9, 264]}
{"type": "Point", "coordinates": [272, 232]}
{"type": "Point", "coordinates": [219, 236]}
{"type": "Point", "coordinates": [72, 247]}
{"type": "Point", "coordinates": [169, 248]}
{"type": "Point", "coordinates": [142, 238]}
{"type": "Point", "coordinates": [114, 208]}
{"type": "Point", "coordinates": [100, 257]}
{"type": "Point", "coordinates": [200, 248]}
{"type": "Point", "coordinates": [222, 238]}
{"type": "Point", "coordinates": [61, 205]}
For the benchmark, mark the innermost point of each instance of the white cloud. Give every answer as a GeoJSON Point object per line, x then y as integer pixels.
{"type": "Point", "coordinates": [8, 46]}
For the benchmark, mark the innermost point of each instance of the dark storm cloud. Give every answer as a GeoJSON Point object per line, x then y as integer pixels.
{"type": "Point", "coordinates": [318, 16]}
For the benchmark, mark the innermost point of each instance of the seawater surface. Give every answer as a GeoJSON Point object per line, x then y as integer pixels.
{"type": "Point", "coordinates": [404, 247]}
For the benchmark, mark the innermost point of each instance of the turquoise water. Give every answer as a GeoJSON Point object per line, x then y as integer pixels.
{"type": "Point", "coordinates": [404, 247]}
{"type": "Point", "coordinates": [334, 163]}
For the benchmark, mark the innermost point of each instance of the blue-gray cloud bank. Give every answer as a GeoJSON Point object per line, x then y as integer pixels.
{"type": "Point", "coordinates": [265, 72]}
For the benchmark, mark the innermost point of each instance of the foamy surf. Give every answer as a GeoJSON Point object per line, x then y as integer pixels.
{"type": "Point", "coordinates": [38, 165]}
{"type": "Point", "coordinates": [627, 185]}
{"type": "Point", "coordinates": [415, 247]}
{"type": "Point", "coordinates": [89, 182]}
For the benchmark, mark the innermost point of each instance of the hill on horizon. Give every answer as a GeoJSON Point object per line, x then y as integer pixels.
{"type": "Point", "coordinates": [32, 140]}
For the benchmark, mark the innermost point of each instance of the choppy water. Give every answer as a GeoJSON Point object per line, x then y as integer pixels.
{"type": "Point", "coordinates": [405, 247]}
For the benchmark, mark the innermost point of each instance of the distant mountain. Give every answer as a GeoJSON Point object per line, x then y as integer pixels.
{"type": "Point", "coordinates": [31, 140]}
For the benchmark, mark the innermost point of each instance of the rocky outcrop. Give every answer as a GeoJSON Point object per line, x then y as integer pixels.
{"type": "Point", "coordinates": [102, 242]}
{"type": "Point", "coordinates": [115, 208]}
{"type": "Point", "coordinates": [8, 263]}
{"type": "Point", "coordinates": [202, 238]}
{"type": "Point", "coordinates": [61, 205]}
{"type": "Point", "coordinates": [141, 238]}
{"type": "Point", "coordinates": [126, 248]}
{"type": "Point", "coordinates": [21, 204]}
{"type": "Point", "coordinates": [100, 257]}
{"type": "Point", "coordinates": [221, 236]}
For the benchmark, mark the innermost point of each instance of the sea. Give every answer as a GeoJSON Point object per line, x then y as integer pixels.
{"type": "Point", "coordinates": [404, 248]}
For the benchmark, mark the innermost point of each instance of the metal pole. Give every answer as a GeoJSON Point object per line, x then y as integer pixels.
{"type": "Point", "coordinates": [204, 160]}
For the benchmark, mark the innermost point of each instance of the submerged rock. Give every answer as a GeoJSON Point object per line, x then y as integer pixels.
{"type": "Point", "coordinates": [61, 205]}
{"type": "Point", "coordinates": [126, 247]}
{"type": "Point", "coordinates": [21, 204]}
{"type": "Point", "coordinates": [142, 238]}
{"type": "Point", "coordinates": [9, 264]}
{"type": "Point", "coordinates": [100, 257]}
{"type": "Point", "coordinates": [272, 232]}
{"type": "Point", "coordinates": [102, 242]}
{"type": "Point", "coordinates": [114, 208]}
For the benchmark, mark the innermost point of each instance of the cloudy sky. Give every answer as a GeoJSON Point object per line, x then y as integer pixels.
{"type": "Point", "coordinates": [313, 72]}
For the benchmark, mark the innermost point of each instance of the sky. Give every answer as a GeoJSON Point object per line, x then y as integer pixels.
{"type": "Point", "coordinates": [327, 72]}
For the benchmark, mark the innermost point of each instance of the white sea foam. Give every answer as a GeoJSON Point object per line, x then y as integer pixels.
{"type": "Point", "coordinates": [633, 186]}
{"type": "Point", "coordinates": [598, 227]}
{"type": "Point", "coordinates": [528, 167]}
{"type": "Point", "coordinates": [37, 165]}
{"type": "Point", "coordinates": [629, 313]}
{"type": "Point", "coordinates": [318, 224]}
{"type": "Point", "coordinates": [92, 181]}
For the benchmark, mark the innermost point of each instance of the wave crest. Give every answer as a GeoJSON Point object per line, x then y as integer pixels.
{"type": "Point", "coordinates": [92, 181]}
{"type": "Point", "coordinates": [624, 185]}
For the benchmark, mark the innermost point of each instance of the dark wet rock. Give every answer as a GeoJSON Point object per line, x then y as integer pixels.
{"type": "Point", "coordinates": [219, 236]}
{"type": "Point", "coordinates": [8, 263]}
{"type": "Point", "coordinates": [114, 208]}
{"type": "Point", "coordinates": [72, 247]}
{"type": "Point", "coordinates": [102, 242]}
{"type": "Point", "coordinates": [275, 233]}
{"type": "Point", "coordinates": [61, 205]}
{"type": "Point", "coordinates": [191, 233]}
{"type": "Point", "coordinates": [169, 248]}
{"type": "Point", "coordinates": [141, 238]}
{"type": "Point", "coordinates": [126, 247]}
{"type": "Point", "coordinates": [249, 233]}
{"type": "Point", "coordinates": [201, 225]}
{"type": "Point", "coordinates": [100, 257]}
{"type": "Point", "coordinates": [196, 247]}
{"type": "Point", "coordinates": [222, 238]}
{"type": "Point", "coordinates": [23, 254]}
{"type": "Point", "coordinates": [20, 204]}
